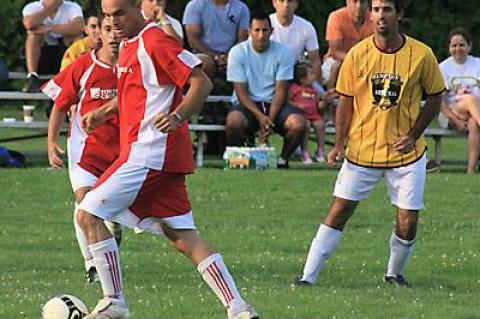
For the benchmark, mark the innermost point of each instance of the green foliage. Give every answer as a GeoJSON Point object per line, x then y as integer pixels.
{"type": "Point", "coordinates": [429, 21]}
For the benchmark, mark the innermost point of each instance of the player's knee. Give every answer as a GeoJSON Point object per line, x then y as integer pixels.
{"type": "Point", "coordinates": [85, 220]}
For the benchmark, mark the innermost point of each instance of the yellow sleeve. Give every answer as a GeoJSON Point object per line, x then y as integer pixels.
{"type": "Point", "coordinates": [346, 78]}
{"type": "Point", "coordinates": [67, 59]}
{"type": "Point", "coordinates": [431, 76]}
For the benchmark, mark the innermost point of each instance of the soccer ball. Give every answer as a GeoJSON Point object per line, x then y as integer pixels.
{"type": "Point", "coordinates": [64, 307]}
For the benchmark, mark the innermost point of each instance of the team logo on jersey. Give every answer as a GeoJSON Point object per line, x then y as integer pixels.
{"type": "Point", "coordinates": [100, 94]}
{"type": "Point", "coordinates": [123, 69]}
{"type": "Point", "coordinates": [386, 88]}
{"type": "Point", "coordinates": [52, 90]}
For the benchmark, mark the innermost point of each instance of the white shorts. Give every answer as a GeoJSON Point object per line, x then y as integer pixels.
{"type": "Point", "coordinates": [139, 197]}
{"type": "Point", "coordinates": [80, 177]}
{"type": "Point", "coordinates": [405, 184]}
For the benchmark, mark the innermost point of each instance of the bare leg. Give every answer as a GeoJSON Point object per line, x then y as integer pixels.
{"type": "Point", "coordinates": [236, 125]}
{"type": "Point", "coordinates": [306, 136]}
{"type": "Point", "coordinates": [295, 126]}
{"type": "Point", "coordinates": [33, 49]}
{"type": "Point", "coordinates": [473, 145]}
{"type": "Point", "coordinates": [320, 134]}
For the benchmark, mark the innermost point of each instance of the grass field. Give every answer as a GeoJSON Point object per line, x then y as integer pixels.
{"type": "Point", "coordinates": [263, 223]}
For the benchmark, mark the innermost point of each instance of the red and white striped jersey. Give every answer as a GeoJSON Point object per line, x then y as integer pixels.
{"type": "Point", "coordinates": [152, 72]}
{"type": "Point", "coordinates": [89, 83]}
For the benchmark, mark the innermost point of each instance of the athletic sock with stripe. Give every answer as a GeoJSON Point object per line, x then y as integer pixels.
{"type": "Point", "coordinates": [216, 275]}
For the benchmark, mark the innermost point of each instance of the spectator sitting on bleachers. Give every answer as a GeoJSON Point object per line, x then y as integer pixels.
{"type": "Point", "coordinates": [260, 70]}
{"type": "Point", "coordinates": [156, 10]}
{"type": "Point", "coordinates": [84, 45]}
{"type": "Point", "coordinates": [213, 27]}
{"type": "Point", "coordinates": [460, 107]}
{"type": "Point", "coordinates": [345, 27]}
{"type": "Point", "coordinates": [295, 31]}
{"type": "Point", "coordinates": [51, 25]}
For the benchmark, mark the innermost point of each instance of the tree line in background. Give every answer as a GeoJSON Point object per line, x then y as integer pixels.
{"type": "Point", "coordinates": [426, 20]}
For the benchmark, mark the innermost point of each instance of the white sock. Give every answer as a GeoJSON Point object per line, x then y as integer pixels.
{"type": "Point", "coordinates": [323, 245]}
{"type": "Point", "coordinates": [281, 161]}
{"type": "Point", "coordinates": [35, 74]}
{"type": "Point", "coordinates": [400, 251]}
{"type": "Point", "coordinates": [82, 242]}
{"type": "Point", "coordinates": [107, 261]}
{"type": "Point", "coordinates": [216, 275]}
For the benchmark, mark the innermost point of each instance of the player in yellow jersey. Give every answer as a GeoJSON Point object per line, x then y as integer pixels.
{"type": "Point", "coordinates": [380, 85]}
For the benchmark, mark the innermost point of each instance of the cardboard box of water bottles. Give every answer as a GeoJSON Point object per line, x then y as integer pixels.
{"type": "Point", "coordinates": [249, 158]}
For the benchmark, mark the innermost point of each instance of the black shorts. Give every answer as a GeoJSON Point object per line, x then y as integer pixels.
{"type": "Point", "coordinates": [279, 122]}
{"type": "Point", "coordinates": [51, 58]}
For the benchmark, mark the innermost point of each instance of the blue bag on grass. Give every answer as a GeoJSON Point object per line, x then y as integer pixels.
{"type": "Point", "coordinates": [11, 159]}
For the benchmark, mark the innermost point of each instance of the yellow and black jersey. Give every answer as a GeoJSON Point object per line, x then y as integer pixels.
{"type": "Point", "coordinates": [386, 90]}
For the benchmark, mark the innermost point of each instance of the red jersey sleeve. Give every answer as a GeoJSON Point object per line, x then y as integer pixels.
{"type": "Point", "coordinates": [173, 64]}
{"type": "Point", "coordinates": [63, 88]}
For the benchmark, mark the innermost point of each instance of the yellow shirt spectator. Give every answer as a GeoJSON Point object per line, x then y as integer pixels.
{"type": "Point", "coordinates": [74, 51]}
{"type": "Point", "coordinates": [386, 103]}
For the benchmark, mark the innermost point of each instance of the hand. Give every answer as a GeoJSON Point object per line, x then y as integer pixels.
{"type": "Point", "coordinates": [266, 127]}
{"type": "Point", "coordinates": [53, 155]}
{"type": "Point", "coordinates": [335, 155]}
{"type": "Point", "coordinates": [90, 121]}
{"type": "Point", "coordinates": [404, 144]}
{"type": "Point", "coordinates": [165, 123]}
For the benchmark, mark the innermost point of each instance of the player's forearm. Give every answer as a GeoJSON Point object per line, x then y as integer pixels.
{"type": "Point", "coordinates": [55, 123]}
{"type": "Point", "coordinates": [343, 118]}
{"type": "Point", "coordinates": [197, 94]}
{"type": "Point", "coordinates": [427, 114]}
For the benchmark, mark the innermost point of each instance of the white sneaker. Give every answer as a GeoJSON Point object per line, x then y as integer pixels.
{"type": "Point", "coordinates": [319, 157]}
{"type": "Point", "coordinates": [248, 313]}
{"type": "Point", "coordinates": [306, 159]}
{"type": "Point", "coordinates": [109, 309]}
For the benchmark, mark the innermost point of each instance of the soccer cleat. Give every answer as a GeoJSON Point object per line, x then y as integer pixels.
{"type": "Point", "coordinates": [248, 313]}
{"type": "Point", "coordinates": [432, 166]}
{"type": "Point", "coordinates": [109, 309]}
{"type": "Point", "coordinates": [397, 281]}
{"type": "Point", "coordinates": [298, 282]}
{"type": "Point", "coordinates": [91, 275]}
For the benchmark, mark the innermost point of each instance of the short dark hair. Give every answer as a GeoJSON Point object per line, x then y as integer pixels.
{"type": "Point", "coordinates": [100, 17]}
{"type": "Point", "coordinates": [461, 31]}
{"type": "Point", "coordinates": [399, 5]}
{"type": "Point", "coordinates": [260, 15]}
{"type": "Point", "coordinates": [300, 71]}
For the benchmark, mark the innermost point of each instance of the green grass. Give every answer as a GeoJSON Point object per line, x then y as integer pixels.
{"type": "Point", "coordinates": [263, 223]}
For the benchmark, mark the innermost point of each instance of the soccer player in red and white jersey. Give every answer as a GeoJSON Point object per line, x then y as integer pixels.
{"type": "Point", "coordinates": [89, 82]}
{"type": "Point", "coordinates": [145, 187]}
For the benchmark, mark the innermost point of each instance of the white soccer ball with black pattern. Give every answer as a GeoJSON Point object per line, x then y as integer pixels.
{"type": "Point", "coordinates": [64, 307]}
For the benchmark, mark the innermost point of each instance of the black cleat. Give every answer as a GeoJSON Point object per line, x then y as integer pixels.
{"type": "Point", "coordinates": [298, 282]}
{"type": "Point", "coordinates": [33, 84]}
{"type": "Point", "coordinates": [397, 281]}
{"type": "Point", "coordinates": [91, 275]}
{"type": "Point", "coordinates": [283, 166]}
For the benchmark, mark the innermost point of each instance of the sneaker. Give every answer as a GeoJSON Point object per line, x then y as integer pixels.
{"type": "Point", "coordinates": [109, 309]}
{"type": "Point", "coordinates": [282, 164]}
{"type": "Point", "coordinates": [306, 159]}
{"type": "Point", "coordinates": [319, 157]}
{"type": "Point", "coordinates": [397, 281]}
{"type": "Point", "coordinates": [298, 152]}
{"type": "Point", "coordinates": [33, 84]}
{"type": "Point", "coordinates": [91, 275]}
{"type": "Point", "coordinates": [298, 282]}
{"type": "Point", "coordinates": [432, 166]}
{"type": "Point", "coordinates": [248, 313]}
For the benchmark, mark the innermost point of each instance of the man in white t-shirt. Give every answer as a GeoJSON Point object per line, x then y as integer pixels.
{"type": "Point", "coordinates": [156, 10]}
{"type": "Point", "coordinates": [298, 33]}
{"type": "Point", "coordinates": [51, 25]}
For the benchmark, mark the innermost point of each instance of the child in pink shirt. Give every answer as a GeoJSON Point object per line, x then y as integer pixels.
{"type": "Point", "coordinates": [303, 95]}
